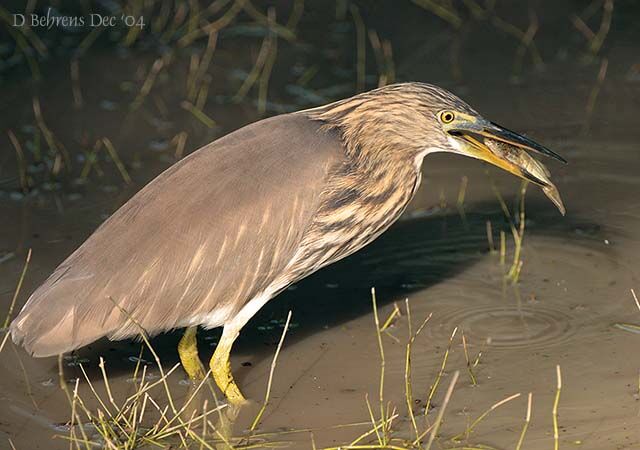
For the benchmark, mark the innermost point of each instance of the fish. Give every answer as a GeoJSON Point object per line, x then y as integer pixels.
{"type": "Point", "coordinates": [530, 166]}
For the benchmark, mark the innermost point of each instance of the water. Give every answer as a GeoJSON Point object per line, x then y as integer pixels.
{"type": "Point", "coordinates": [574, 286]}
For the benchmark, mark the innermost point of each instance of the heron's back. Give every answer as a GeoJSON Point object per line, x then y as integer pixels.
{"type": "Point", "coordinates": [192, 246]}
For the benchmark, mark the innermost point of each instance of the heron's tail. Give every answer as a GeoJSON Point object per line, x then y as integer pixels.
{"type": "Point", "coordinates": [54, 319]}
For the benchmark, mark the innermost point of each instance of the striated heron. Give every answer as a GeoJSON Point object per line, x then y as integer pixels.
{"type": "Point", "coordinates": [217, 235]}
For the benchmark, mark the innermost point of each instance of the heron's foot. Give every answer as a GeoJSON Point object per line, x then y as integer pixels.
{"type": "Point", "coordinates": [188, 351]}
{"type": "Point", "coordinates": [221, 370]}
{"type": "Point", "coordinates": [225, 425]}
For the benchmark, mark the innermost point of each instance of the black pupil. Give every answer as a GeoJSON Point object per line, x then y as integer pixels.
{"type": "Point", "coordinates": [448, 117]}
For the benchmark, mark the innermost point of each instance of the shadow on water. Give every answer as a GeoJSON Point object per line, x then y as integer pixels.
{"type": "Point", "coordinates": [416, 253]}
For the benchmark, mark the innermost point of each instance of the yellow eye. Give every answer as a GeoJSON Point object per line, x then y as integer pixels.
{"type": "Point", "coordinates": [447, 116]}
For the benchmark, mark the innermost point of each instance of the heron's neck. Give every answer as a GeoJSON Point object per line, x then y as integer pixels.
{"type": "Point", "coordinates": [383, 182]}
{"type": "Point", "coordinates": [391, 164]}
{"type": "Point", "coordinates": [369, 128]}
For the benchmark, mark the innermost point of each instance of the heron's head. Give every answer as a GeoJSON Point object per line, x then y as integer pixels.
{"type": "Point", "coordinates": [411, 120]}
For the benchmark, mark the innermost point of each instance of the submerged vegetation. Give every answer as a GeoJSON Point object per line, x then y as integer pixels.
{"type": "Point", "coordinates": [176, 78]}
{"type": "Point", "coordinates": [152, 416]}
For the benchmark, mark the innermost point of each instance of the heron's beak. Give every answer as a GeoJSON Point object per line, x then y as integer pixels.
{"type": "Point", "coordinates": [506, 149]}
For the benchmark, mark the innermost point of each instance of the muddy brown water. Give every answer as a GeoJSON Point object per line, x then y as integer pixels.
{"type": "Point", "coordinates": [575, 282]}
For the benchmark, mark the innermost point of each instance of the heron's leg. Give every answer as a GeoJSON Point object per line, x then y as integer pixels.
{"type": "Point", "coordinates": [221, 366]}
{"type": "Point", "coordinates": [188, 351]}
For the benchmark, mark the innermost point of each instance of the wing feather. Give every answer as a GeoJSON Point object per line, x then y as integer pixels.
{"type": "Point", "coordinates": [194, 245]}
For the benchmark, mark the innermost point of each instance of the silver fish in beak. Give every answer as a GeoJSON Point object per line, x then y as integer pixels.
{"type": "Point", "coordinates": [531, 169]}
{"type": "Point", "coordinates": [506, 149]}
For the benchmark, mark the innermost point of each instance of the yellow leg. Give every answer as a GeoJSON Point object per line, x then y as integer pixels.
{"type": "Point", "coordinates": [221, 367]}
{"type": "Point", "coordinates": [188, 351]}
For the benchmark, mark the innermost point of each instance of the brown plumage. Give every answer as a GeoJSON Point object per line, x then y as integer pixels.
{"type": "Point", "coordinates": [219, 233]}
{"type": "Point", "coordinates": [206, 235]}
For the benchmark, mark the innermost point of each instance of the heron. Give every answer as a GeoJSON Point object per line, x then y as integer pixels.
{"type": "Point", "coordinates": [214, 237]}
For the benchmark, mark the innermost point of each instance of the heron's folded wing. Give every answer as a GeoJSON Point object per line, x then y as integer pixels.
{"type": "Point", "coordinates": [192, 246]}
